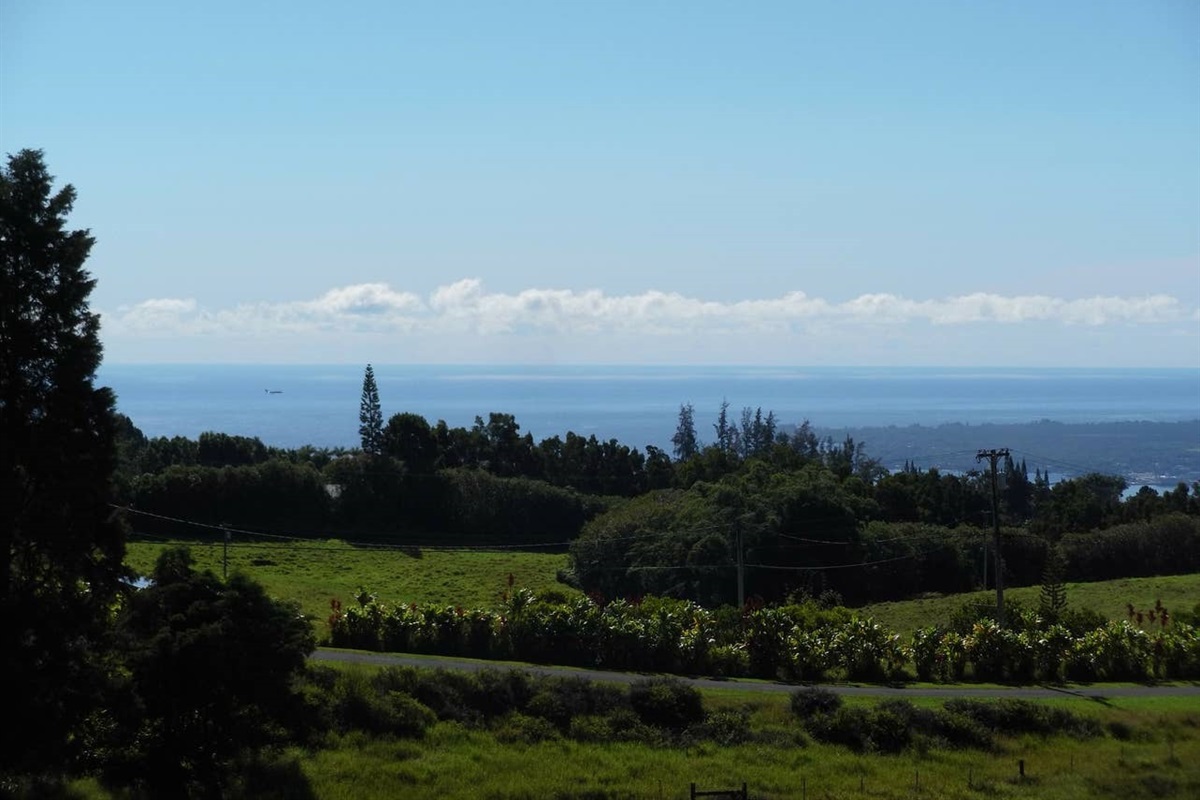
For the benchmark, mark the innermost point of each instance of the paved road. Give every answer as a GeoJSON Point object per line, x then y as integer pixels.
{"type": "Point", "coordinates": [1028, 692]}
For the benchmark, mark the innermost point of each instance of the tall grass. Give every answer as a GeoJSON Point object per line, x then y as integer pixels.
{"type": "Point", "coordinates": [455, 762]}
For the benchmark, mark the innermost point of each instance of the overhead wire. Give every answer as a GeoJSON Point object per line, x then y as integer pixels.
{"type": "Point", "coordinates": [378, 544]}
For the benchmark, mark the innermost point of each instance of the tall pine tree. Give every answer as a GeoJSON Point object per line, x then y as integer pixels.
{"type": "Point", "coordinates": [1053, 599]}
{"type": "Point", "coordinates": [685, 443]}
{"type": "Point", "coordinates": [370, 416]}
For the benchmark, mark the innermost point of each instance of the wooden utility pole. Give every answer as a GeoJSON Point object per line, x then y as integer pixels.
{"type": "Point", "coordinates": [993, 456]}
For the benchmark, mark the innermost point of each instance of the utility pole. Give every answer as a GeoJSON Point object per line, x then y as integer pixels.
{"type": "Point", "coordinates": [993, 456]}
{"type": "Point", "coordinates": [225, 556]}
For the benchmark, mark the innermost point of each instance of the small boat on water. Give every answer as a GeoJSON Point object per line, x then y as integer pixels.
{"type": "Point", "coordinates": [273, 391]}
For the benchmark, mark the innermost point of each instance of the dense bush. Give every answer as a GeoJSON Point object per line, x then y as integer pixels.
{"type": "Point", "coordinates": [359, 703]}
{"type": "Point", "coordinates": [803, 642]}
{"type": "Point", "coordinates": [810, 702]}
{"type": "Point", "coordinates": [666, 703]}
{"type": "Point", "coordinates": [1013, 716]}
{"type": "Point", "coordinates": [208, 677]}
{"type": "Point", "coordinates": [894, 725]}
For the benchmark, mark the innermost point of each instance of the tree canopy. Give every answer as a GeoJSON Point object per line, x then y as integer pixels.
{"type": "Point", "coordinates": [61, 549]}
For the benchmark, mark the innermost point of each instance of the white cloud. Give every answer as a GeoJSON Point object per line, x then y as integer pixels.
{"type": "Point", "coordinates": [467, 307]}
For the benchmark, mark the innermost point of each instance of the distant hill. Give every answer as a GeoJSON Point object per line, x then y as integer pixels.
{"type": "Point", "coordinates": [1155, 453]}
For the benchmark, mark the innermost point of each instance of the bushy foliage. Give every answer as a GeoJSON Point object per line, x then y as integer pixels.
{"type": "Point", "coordinates": [894, 725]}
{"type": "Point", "coordinates": [1014, 716]}
{"type": "Point", "coordinates": [479, 506]}
{"type": "Point", "coordinates": [272, 493]}
{"type": "Point", "coordinates": [801, 642]}
{"type": "Point", "coordinates": [211, 669]}
{"type": "Point", "coordinates": [811, 702]}
{"type": "Point", "coordinates": [1165, 545]}
{"type": "Point", "coordinates": [666, 703]}
{"type": "Point", "coordinates": [359, 703]}
{"type": "Point", "coordinates": [725, 728]}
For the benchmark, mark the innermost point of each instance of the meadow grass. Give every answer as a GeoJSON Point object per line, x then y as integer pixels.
{"type": "Point", "coordinates": [1150, 749]}
{"type": "Point", "coordinates": [1177, 593]}
{"type": "Point", "coordinates": [456, 762]}
{"type": "Point", "coordinates": [311, 573]}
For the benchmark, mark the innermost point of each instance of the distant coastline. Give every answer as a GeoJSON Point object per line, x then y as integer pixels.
{"type": "Point", "coordinates": [1146, 453]}
{"type": "Point", "coordinates": [952, 409]}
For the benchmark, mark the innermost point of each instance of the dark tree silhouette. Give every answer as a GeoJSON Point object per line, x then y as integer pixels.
{"type": "Point", "coordinates": [60, 546]}
{"type": "Point", "coordinates": [685, 443]}
{"type": "Point", "coordinates": [213, 667]}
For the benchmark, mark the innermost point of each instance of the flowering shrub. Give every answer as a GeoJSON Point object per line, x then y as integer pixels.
{"type": "Point", "coordinates": [792, 642]}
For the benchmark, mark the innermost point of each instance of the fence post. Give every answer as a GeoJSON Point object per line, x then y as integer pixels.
{"type": "Point", "coordinates": [693, 791]}
{"type": "Point", "coordinates": [1021, 769]}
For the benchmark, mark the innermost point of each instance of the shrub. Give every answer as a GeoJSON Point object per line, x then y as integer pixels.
{"type": "Point", "coordinates": [666, 703]}
{"type": "Point", "coordinates": [446, 693]}
{"type": "Point", "coordinates": [807, 703]}
{"type": "Point", "coordinates": [627, 726]}
{"type": "Point", "coordinates": [725, 728]}
{"type": "Point", "coordinates": [959, 730]}
{"type": "Point", "coordinates": [590, 728]}
{"type": "Point", "coordinates": [497, 692]}
{"type": "Point", "coordinates": [1081, 620]}
{"type": "Point", "coordinates": [779, 736]}
{"type": "Point", "coordinates": [847, 726]}
{"type": "Point", "coordinates": [1011, 716]}
{"type": "Point", "coordinates": [891, 726]}
{"type": "Point", "coordinates": [360, 703]}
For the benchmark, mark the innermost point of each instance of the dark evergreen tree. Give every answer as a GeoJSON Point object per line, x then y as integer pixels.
{"type": "Point", "coordinates": [726, 431]}
{"type": "Point", "coordinates": [61, 547]}
{"type": "Point", "coordinates": [370, 415]}
{"type": "Point", "coordinates": [685, 443]}
{"type": "Point", "coordinates": [1053, 600]}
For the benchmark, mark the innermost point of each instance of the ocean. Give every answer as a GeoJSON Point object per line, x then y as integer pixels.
{"type": "Point", "coordinates": [292, 405]}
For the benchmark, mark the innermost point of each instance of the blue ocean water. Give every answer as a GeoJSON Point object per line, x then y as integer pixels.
{"type": "Point", "coordinates": [637, 405]}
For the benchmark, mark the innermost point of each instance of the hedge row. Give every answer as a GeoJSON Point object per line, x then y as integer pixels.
{"type": "Point", "coordinates": [793, 643]}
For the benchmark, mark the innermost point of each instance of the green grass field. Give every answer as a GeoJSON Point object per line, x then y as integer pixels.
{"type": "Point", "coordinates": [312, 573]}
{"type": "Point", "coordinates": [1150, 749]}
{"type": "Point", "coordinates": [454, 762]}
{"type": "Point", "coordinates": [1177, 593]}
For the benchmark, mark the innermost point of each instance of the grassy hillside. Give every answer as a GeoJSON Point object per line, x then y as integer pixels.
{"type": "Point", "coordinates": [1177, 592]}
{"type": "Point", "coordinates": [312, 573]}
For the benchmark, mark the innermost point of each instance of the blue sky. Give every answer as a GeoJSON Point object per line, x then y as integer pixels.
{"type": "Point", "coordinates": [852, 183]}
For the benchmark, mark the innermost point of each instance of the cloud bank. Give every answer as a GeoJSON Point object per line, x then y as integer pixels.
{"type": "Point", "coordinates": [467, 307]}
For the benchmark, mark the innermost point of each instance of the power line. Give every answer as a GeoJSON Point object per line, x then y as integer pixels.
{"type": "Point", "coordinates": [381, 545]}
